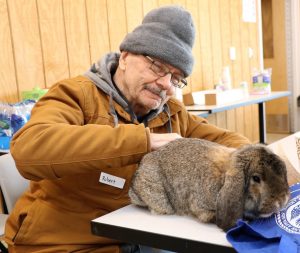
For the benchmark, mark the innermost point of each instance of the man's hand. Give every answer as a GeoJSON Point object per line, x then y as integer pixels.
{"type": "Point", "coordinates": [159, 140]}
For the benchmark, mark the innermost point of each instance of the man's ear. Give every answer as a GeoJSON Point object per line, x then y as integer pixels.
{"type": "Point", "coordinates": [123, 60]}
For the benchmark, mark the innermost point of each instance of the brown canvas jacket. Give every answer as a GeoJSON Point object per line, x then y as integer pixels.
{"type": "Point", "coordinates": [69, 140]}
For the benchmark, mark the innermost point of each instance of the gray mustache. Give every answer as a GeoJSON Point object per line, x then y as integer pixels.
{"type": "Point", "coordinates": [159, 92]}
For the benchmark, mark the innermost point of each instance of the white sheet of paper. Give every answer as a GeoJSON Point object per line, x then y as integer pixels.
{"type": "Point", "coordinates": [249, 11]}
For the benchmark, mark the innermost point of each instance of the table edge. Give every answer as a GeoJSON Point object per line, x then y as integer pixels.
{"type": "Point", "coordinates": [155, 240]}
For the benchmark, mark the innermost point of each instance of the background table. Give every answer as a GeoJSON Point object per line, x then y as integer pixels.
{"type": "Point", "coordinates": [203, 114]}
{"type": "Point", "coordinates": [250, 100]}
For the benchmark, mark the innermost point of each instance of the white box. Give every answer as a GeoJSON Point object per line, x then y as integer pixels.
{"type": "Point", "coordinates": [214, 97]}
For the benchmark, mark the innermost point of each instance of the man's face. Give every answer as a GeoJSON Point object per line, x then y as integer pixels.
{"type": "Point", "coordinates": [145, 89]}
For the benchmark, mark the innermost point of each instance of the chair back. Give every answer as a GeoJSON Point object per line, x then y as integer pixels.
{"type": "Point", "coordinates": [11, 182]}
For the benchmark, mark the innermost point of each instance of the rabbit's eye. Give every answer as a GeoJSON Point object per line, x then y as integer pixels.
{"type": "Point", "coordinates": [256, 179]}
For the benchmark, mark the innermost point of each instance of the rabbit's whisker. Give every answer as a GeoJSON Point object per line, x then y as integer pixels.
{"type": "Point", "coordinates": [265, 215]}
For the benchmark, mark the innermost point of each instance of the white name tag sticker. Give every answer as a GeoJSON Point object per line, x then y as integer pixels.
{"type": "Point", "coordinates": [112, 180]}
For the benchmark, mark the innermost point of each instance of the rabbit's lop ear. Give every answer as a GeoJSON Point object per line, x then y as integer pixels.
{"type": "Point", "coordinates": [230, 200]}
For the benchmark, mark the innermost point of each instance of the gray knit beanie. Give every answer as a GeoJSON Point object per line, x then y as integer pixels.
{"type": "Point", "coordinates": [166, 33]}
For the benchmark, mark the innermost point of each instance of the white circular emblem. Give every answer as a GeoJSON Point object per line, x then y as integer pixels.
{"type": "Point", "coordinates": [289, 218]}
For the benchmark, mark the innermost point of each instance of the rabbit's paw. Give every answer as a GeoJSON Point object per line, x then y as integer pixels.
{"type": "Point", "coordinates": [206, 216]}
{"type": "Point", "coordinates": [161, 211]}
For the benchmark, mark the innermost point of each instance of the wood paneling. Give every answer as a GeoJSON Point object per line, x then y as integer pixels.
{"type": "Point", "coordinates": [205, 47]}
{"type": "Point", "coordinates": [267, 23]}
{"type": "Point", "coordinates": [230, 120]}
{"type": "Point", "coordinates": [216, 42]}
{"type": "Point", "coordinates": [235, 17]}
{"type": "Point", "coordinates": [27, 46]}
{"type": "Point", "coordinates": [196, 79]}
{"type": "Point", "coordinates": [77, 36]}
{"type": "Point", "coordinates": [134, 13]}
{"type": "Point", "coordinates": [98, 28]}
{"type": "Point", "coordinates": [248, 130]}
{"type": "Point", "coordinates": [117, 23]}
{"type": "Point", "coordinates": [8, 82]}
{"type": "Point", "coordinates": [225, 32]}
{"type": "Point", "coordinates": [53, 38]}
{"type": "Point", "coordinates": [149, 5]}
{"type": "Point", "coordinates": [278, 108]}
{"type": "Point", "coordinates": [49, 40]}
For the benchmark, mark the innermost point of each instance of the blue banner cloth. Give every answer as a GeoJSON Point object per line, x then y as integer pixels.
{"type": "Point", "coordinates": [280, 233]}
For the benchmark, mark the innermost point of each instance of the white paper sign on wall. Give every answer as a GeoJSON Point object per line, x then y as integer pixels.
{"type": "Point", "coordinates": [249, 11]}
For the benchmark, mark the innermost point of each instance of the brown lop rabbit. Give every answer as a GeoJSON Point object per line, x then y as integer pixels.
{"type": "Point", "coordinates": [214, 183]}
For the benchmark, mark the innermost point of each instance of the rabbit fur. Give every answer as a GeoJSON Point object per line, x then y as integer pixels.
{"type": "Point", "coordinates": [214, 183]}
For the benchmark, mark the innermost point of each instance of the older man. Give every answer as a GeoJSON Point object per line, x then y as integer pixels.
{"type": "Point", "coordinates": [90, 128]}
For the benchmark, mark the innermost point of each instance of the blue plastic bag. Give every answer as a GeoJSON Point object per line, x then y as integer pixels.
{"type": "Point", "coordinates": [12, 118]}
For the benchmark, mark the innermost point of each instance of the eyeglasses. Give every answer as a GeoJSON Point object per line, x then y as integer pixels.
{"type": "Point", "coordinates": [161, 70]}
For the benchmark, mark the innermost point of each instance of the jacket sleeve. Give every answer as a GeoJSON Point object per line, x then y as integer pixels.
{"type": "Point", "coordinates": [56, 142]}
{"type": "Point", "coordinates": [199, 128]}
